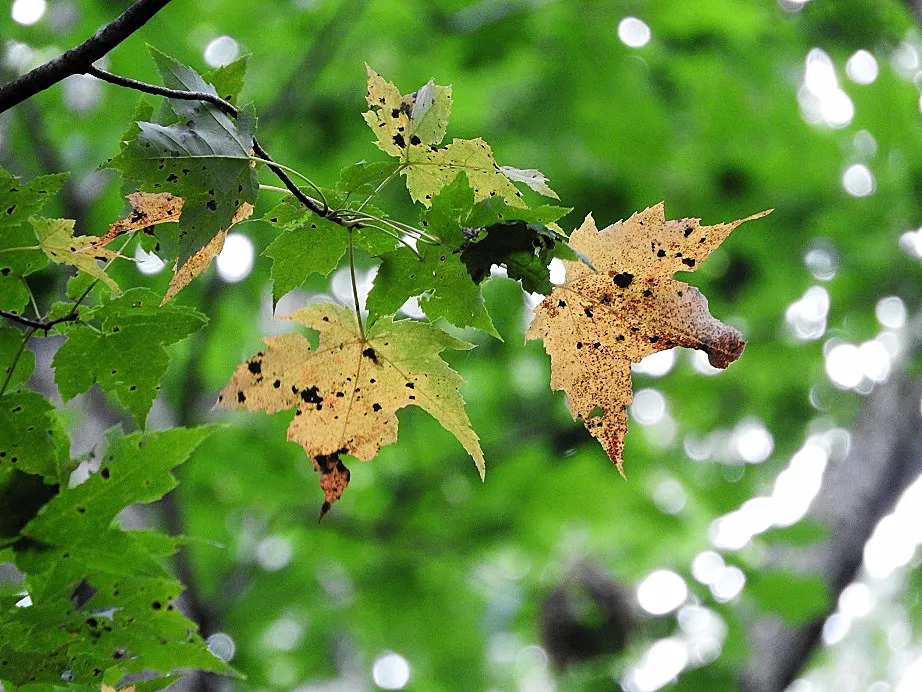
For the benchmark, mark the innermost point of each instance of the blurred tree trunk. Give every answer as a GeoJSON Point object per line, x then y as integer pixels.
{"type": "Point", "coordinates": [885, 457]}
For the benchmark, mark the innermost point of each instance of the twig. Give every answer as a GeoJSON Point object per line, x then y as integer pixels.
{"type": "Point", "coordinates": [155, 90]}
{"type": "Point", "coordinates": [35, 325]}
{"type": "Point", "coordinates": [78, 59]}
{"type": "Point", "coordinates": [355, 289]}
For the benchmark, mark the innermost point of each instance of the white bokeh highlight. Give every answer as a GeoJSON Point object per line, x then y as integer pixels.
{"type": "Point", "coordinates": [235, 262]}
{"type": "Point", "coordinates": [661, 592]}
{"type": "Point", "coordinates": [28, 12]}
{"type": "Point", "coordinates": [634, 32]}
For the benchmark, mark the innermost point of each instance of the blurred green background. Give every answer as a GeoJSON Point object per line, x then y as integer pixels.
{"type": "Point", "coordinates": [555, 573]}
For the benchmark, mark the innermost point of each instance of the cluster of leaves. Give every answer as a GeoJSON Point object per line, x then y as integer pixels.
{"type": "Point", "coordinates": [96, 603]}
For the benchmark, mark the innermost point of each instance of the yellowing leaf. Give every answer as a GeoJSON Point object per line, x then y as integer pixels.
{"type": "Point", "coordinates": [429, 170]}
{"type": "Point", "coordinates": [409, 127]}
{"type": "Point", "coordinates": [57, 240]}
{"type": "Point", "coordinates": [598, 322]}
{"type": "Point", "coordinates": [201, 260]}
{"type": "Point", "coordinates": [152, 208]}
{"type": "Point", "coordinates": [109, 688]}
{"type": "Point", "coordinates": [418, 119]}
{"type": "Point", "coordinates": [348, 389]}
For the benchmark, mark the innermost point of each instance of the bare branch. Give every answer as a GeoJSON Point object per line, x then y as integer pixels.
{"type": "Point", "coordinates": [44, 325]}
{"type": "Point", "coordinates": [79, 59]}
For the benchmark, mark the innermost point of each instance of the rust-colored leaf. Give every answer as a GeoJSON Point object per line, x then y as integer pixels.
{"type": "Point", "coordinates": [201, 260]}
{"type": "Point", "coordinates": [347, 391]}
{"type": "Point", "coordinates": [627, 306]}
{"type": "Point", "coordinates": [148, 209]}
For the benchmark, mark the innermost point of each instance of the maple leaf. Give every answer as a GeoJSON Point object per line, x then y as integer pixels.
{"type": "Point", "coordinates": [347, 391]}
{"type": "Point", "coordinates": [57, 240]}
{"type": "Point", "coordinates": [599, 322]}
{"type": "Point", "coordinates": [411, 126]}
{"type": "Point", "coordinates": [204, 158]}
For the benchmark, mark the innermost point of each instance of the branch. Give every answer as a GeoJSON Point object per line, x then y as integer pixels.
{"type": "Point", "coordinates": [884, 459]}
{"type": "Point", "coordinates": [44, 325]}
{"type": "Point", "coordinates": [79, 59]}
{"type": "Point", "coordinates": [319, 208]}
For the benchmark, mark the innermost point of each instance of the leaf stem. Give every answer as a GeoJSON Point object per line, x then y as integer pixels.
{"type": "Point", "coordinates": [274, 188]}
{"type": "Point", "coordinates": [355, 288]}
{"type": "Point", "coordinates": [380, 187]}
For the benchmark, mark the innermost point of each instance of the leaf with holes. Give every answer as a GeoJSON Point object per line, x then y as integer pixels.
{"type": "Point", "coordinates": [32, 438]}
{"type": "Point", "coordinates": [444, 275]}
{"type": "Point", "coordinates": [410, 127]}
{"type": "Point", "coordinates": [347, 391]}
{"type": "Point", "coordinates": [203, 158]}
{"type": "Point", "coordinates": [126, 355]}
{"type": "Point", "coordinates": [102, 600]}
{"type": "Point", "coordinates": [599, 322]}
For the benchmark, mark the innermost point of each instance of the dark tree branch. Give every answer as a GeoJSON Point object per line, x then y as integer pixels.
{"type": "Point", "coordinates": [155, 90]}
{"type": "Point", "coordinates": [884, 459]}
{"type": "Point", "coordinates": [79, 59]}
{"type": "Point", "coordinates": [44, 325]}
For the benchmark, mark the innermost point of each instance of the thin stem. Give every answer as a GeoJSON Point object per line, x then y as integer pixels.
{"type": "Point", "coordinates": [21, 248]}
{"type": "Point", "coordinates": [31, 297]}
{"type": "Point", "coordinates": [355, 288]}
{"type": "Point", "coordinates": [270, 162]}
{"type": "Point", "coordinates": [12, 368]}
{"type": "Point", "coordinates": [273, 188]}
{"type": "Point", "coordinates": [153, 89]}
{"type": "Point", "coordinates": [380, 187]}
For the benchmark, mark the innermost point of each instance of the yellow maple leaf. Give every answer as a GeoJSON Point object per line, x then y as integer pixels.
{"type": "Point", "coordinates": [625, 307]}
{"type": "Point", "coordinates": [410, 127]}
{"type": "Point", "coordinates": [347, 391]}
{"type": "Point", "coordinates": [148, 209]}
{"type": "Point", "coordinates": [57, 240]}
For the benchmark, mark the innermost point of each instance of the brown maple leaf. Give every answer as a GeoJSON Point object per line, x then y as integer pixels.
{"type": "Point", "coordinates": [624, 307]}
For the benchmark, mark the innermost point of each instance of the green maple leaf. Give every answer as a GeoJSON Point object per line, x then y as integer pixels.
{"type": "Point", "coordinates": [32, 438]}
{"type": "Point", "coordinates": [204, 159]}
{"type": "Point", "coordinates": [347, 391]}
{"type": "Point", "coordinates": [101, 599]}
{"type": "Point", "coordinates": [436, 273]}
{"type": "Point", "coordinates": [473, 238]}
{"type": "Point", "coordinates": [18, 202]}
{"type": "Point", "coordinates": [127, 355]}
{"type": "Point", "coordinates": [307, 243]}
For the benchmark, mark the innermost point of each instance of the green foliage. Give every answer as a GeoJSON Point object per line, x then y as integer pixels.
{"type": "Point", "coordinates": [204, 158]}
{"type": "Point", "coordinates": [101, 603]}
{"type": "Point", "coordinates": [422, 559]}
{"type": "Point", "coordinates": [126, 353]}
{"type": "Point", "coordinates": [19, 201]}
